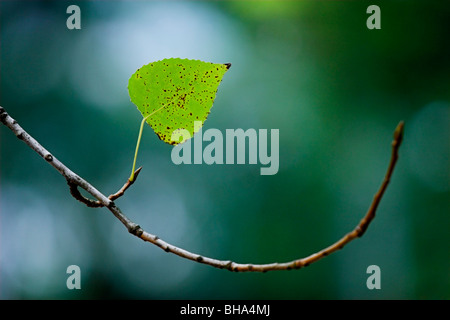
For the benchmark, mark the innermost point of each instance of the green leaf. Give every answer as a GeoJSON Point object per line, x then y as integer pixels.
{"type": "Point", "coordinates": [184, 90]}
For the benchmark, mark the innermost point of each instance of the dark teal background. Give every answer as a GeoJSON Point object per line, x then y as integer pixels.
{"type": "Point", "coordinates": [312, 69]}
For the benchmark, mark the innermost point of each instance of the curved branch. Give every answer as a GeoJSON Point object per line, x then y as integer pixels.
{"type": "Point", "coordinates": [76, 181]}
{"type": "Point", "coordinates": [73, 187]}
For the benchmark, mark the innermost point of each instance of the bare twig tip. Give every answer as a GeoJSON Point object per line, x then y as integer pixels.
{"type": "Point", "coordinates": [398, 133]}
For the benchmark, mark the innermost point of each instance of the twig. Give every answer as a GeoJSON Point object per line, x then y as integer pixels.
{"type": "Point", "coordinates": [127, 184]}
{"type": "Point", "coordinates": [76, 181]}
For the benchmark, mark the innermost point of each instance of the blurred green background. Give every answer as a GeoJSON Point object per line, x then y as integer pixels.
{"type": "Point", "coordinates": [312, 69]}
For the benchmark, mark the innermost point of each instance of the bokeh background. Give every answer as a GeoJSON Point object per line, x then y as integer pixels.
{"type": "Point", "coordinates": [312, 69]}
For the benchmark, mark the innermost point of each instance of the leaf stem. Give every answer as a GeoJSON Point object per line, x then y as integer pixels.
{"type": "Point", "coordinates": [131, 179]}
